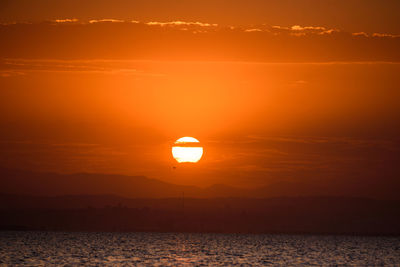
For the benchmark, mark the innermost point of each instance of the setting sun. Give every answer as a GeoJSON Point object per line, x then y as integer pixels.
{"type": "Point", "coordinates": [187, 149]}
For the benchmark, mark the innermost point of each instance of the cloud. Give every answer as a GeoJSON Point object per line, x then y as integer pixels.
{"type": "Point", "coordinates": [74, 144]}
{"type": "Point", "coordinates": [65, 20]}
{"type": "Point", "coordinates": [105, 20]}
{"type": "Point", "coordinates": [301, 28]}
{"type": "Point", "coordinates": [385, 35]}
{"type": "Point", "coordinates": [345, 141]}
{"type": "Point", "coordinates": [64, 157]}
{"type": "Point", "coordinates": [180, 23]}
{"type": "Point", "coordinates": [330, 31]}
{"type": "Point", "coordinates": [182, 40]}
{"type": "Point", "coordinates": [253, 30]}
{"type": "Point", "coordinates": [363, 34]}
{"type": "Point", "coordinates": [312, 156]}
{"type": "Point", "coordinates": [10, 73]}
{"type": "Point", "coordinates": [298, 30]}
{"type": "Point", "coordinates": [277, 27]}
{"type": "Point", "coordinates": [13, 67]}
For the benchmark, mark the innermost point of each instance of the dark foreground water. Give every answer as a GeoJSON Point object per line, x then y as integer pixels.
{"type": "Point", "coordinates": [48, 248]}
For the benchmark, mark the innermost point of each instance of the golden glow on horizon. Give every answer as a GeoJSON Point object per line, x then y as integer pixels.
{"type": "Point", "coordinates": [184, 152]}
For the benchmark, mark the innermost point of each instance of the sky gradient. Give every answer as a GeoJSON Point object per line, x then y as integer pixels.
{"type": "Point", "coordinates": [274, 90]}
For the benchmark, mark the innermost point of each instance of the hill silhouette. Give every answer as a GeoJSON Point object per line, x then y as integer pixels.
{"type": "Point", "coordinates": [54, 184]}
{"type": "Point", "coordinates": [106, 202]}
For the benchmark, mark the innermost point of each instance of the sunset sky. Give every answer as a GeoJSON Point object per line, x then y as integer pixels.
{"type": "Point", "coordinates": [301, 90]}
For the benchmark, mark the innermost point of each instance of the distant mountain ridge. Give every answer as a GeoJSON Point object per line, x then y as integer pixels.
{"type": "Point", "coordinates": [54, 184]}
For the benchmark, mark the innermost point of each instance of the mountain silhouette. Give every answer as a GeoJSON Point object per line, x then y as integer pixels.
{"type": "Point", "coordinates": [24, 182]}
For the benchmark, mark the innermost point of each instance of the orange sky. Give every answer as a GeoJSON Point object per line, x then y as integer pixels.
{"type": "Point", "coordinates": [349, 15]}
{"type": "Point", "coordinates": [272, 98]}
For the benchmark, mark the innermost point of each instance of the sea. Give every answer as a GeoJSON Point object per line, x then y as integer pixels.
{"type": "Point", "coordinates": [192, 249]}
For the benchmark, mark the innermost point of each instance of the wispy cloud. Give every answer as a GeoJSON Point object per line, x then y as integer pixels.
{"type": "Point", "coordinates": [298, 30]}
{"type": "Point", "coordinates": [181, 23]}
{"type": "Point", "coordinates": [10, 73]}
{"type": "Point", "coordinates": [253, 30]}
{"type": "Point", "coordinates": [13, 67]}
{"type": "Point", "coordinates": [363, 34]}
{"type": "Point", "coordinates": [65, 20]}
{"type": "Point", "coordinates": [386, 35]}
{"type": "Point", "coordinates": [383, 143]}
{"type": "Point", "coordinates": [294, 30]}
{"type": "Point", "coordinates": [186, 40]}
{"type": "Point", "coordinates": [305, 28]}
{"type": "Point", "coordinates": [106, 20]}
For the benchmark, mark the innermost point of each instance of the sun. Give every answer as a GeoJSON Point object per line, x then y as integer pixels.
{"type": "Point", "coordinates": [187, 149]}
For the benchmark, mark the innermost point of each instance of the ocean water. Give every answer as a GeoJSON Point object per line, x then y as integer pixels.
{"type": "Point", "coordinates": [180, 249]}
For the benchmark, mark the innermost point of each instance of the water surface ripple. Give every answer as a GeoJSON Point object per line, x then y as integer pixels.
{"type": "Point", "coordinates": [177, 249]}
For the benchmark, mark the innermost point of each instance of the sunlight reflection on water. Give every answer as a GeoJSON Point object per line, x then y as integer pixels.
{"type": "Point", "coordinates": [175, 249]}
